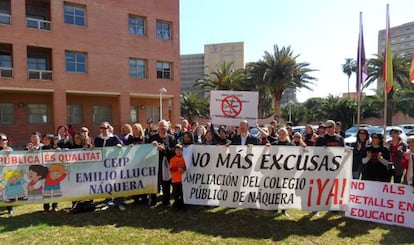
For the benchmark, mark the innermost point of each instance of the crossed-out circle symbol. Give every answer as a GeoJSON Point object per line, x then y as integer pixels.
{"type": "Point", "coordinates": [231, 106]}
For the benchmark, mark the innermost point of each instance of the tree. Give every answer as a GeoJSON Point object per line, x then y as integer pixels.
{"type": "Point", "coordinates": [254, 82]}
{"type": "Point", "coordinates": [193, 105]}
{"type": "Point", "coordinates": [224, 78]}
{"type": "Point", "coordinates": [401, 71]}
{"type": "Point", "coordinates": [348, 67]}
{"type": "Point", "coordinates": [280, 71]}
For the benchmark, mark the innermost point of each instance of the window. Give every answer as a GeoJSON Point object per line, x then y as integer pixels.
{"type": "Point", "coordinates": [75, 14]}
{"type": "Point", "coordinates": [5, 11]}
{"type": "Point", "coordinates": [6, 113]}
{"type": "Point", "coordinates": [75, 62]}
{"type": "Point", "coordinates": [38, 113]}
{"type": "Point", "coordinates": [37, 63]}
{"type": "Point", "coordinates": [101, 113]}
{"type": "Point", "coordinates": [74, 113]}
{"type": "Point", "coordinates": [163, 30]}
{"type": "Point", "coordinates": [5, 59]}
{"type": "Point", "coordinates": [137, 68]}
{"type": "Point", "coordinates": [136, 25]}
{"type": "Point", "coordinates": [153, 112]}
{"type": "Point", "coordinates": [38, 14]}
{"type": "Point", "coordinates": [163, 70]}
{"type": "Point", "coordinates": [6, 64]}
{"type": "Point", "coordinates": [134, 114]}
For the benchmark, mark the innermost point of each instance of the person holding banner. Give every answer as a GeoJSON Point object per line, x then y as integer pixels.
{"type": "Point", "coordinates": [407, 163]}
{"type": "Point", "coordinates": [376, 161]}
{"type": "Point", "coordinates": [284, 139]}
{"type": "Point", "coordinates": [244, 138]}
{"type": "Point", "coordinates": [4, 147]}
{"type": "Point", "coordinates": [165, 143]}
{"type": "Point", "coordinates": [105, 139]}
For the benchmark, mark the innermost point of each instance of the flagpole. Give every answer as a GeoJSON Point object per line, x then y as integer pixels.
{"type": "Point", "coordinates": [386, 70]}
{"type": "Point", "coordinates": [359, 79]}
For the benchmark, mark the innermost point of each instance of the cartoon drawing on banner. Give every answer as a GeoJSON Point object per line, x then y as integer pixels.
{"type": "Point", "coordinates": [36, 175]}
{"type": "Point", "coordinates": [2, 188]}
{"type": "Point", "coordinates": [56, 174]}
{"type": "Point", "coordinates": [13, 181]}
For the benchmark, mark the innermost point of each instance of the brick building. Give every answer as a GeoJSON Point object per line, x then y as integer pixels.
{"type": "Point", "coordinates": [81, 62]}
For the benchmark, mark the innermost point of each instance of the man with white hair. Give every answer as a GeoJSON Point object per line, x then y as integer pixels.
{"type": "Point", "coordinates": [165, 143]}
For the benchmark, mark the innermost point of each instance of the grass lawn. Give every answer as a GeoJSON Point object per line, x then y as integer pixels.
{"type": "Point", "coordinates": [197, 225]}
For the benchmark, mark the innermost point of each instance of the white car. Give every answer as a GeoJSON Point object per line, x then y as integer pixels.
{"type": "Point", "coordinates": [375, 129]}
{"type": "Point", "coordinates": [406, 127]}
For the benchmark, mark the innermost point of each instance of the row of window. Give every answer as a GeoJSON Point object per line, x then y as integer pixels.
{"type": "Point", "coordinates": [39, 65]}
{"type": "Point", "coordinates": [38, 17]}
{"type": "Point", "coordinates": [40, 113]}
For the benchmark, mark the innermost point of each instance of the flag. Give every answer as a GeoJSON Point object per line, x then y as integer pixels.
{"type": "Point", "coordinates": [412, 70]}
{"type": "Point", "coordinates": [387, 72]}
{"type": "Point", "coordinates": [362, 71]}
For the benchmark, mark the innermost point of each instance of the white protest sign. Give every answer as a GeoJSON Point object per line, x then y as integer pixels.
{"type": "Point", "coordinates": [380, 202]}
{"type": "Point", "coordinates": [267, 177]}
{"type": "Point", "coordinates": [230, 107]}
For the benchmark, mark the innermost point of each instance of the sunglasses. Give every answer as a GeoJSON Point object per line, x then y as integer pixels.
{"type": "Point", "coordinates": [104, 127]}
{"type": "Point", "coordinates": [3, 139]}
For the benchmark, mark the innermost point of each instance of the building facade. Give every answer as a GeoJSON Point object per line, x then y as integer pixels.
{"type": "Point", "coordinates": [81, 62]}
{"type": "Point", "coordinates": [402, 39]}
{"type": "Point", "coordinates": [194, 66]}
{"type": "Point", "coordinates": [402, 42]}
{"type": "Point", "coordinates": [191, 69]}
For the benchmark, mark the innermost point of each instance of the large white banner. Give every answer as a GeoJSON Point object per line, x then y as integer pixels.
{"type": "Point", "coordinates": [267, 177]}
{"type": "Point", "coordinates": [386, 203]}
{"type": "Point", "coordinates": [230, 107]}
{"type": "Point", "coordinates": [54, 176]}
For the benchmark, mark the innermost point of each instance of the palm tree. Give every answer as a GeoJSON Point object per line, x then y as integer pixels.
{"type": "Point", "coordinates": [401, 71]}
{"type": "Point", "coordinates": [338, 109]}
{"type": "Point", "coordinates": [224, 78]}
{"type": "Point", "coordinates": [193, 105]}
{"type": "Point", "coordinates": [280, 71]}
{"type": "Point", "coordinates": [348, 67]}
{"type": "Point", "coordinates": [254, 82]}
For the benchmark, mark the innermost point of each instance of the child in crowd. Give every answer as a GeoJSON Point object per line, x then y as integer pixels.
{"type": "Point", "coordinates": [177, 167]}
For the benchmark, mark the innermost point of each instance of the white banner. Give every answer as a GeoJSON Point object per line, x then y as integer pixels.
{"type": "Point", "coordinates": [54, 176]}
{"type": "Point", "coordinates": [267, 177]}
{"type": "Point", "coordinates": [230, 107]}
{"type": "Point", "coordinates": [386, 203]}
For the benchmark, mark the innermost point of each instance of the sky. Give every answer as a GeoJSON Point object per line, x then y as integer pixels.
{"type": "Point", "coordinates": [322, 32]}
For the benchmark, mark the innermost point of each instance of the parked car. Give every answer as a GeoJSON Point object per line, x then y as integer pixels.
{"type": "Point", "coordinates": [299, 129]}
{"type": "Point", "coordinates": [352, 130]}
{"type": "Point", "coordinates": [410, 133]}
{"type": "Point", "coordinates": [406, 127]}
{"type": "Point", "coordinates": [379, 130]}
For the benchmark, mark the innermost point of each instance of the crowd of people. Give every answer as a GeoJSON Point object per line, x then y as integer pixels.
{"type": "Point", "coordinates": [373, 157]}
